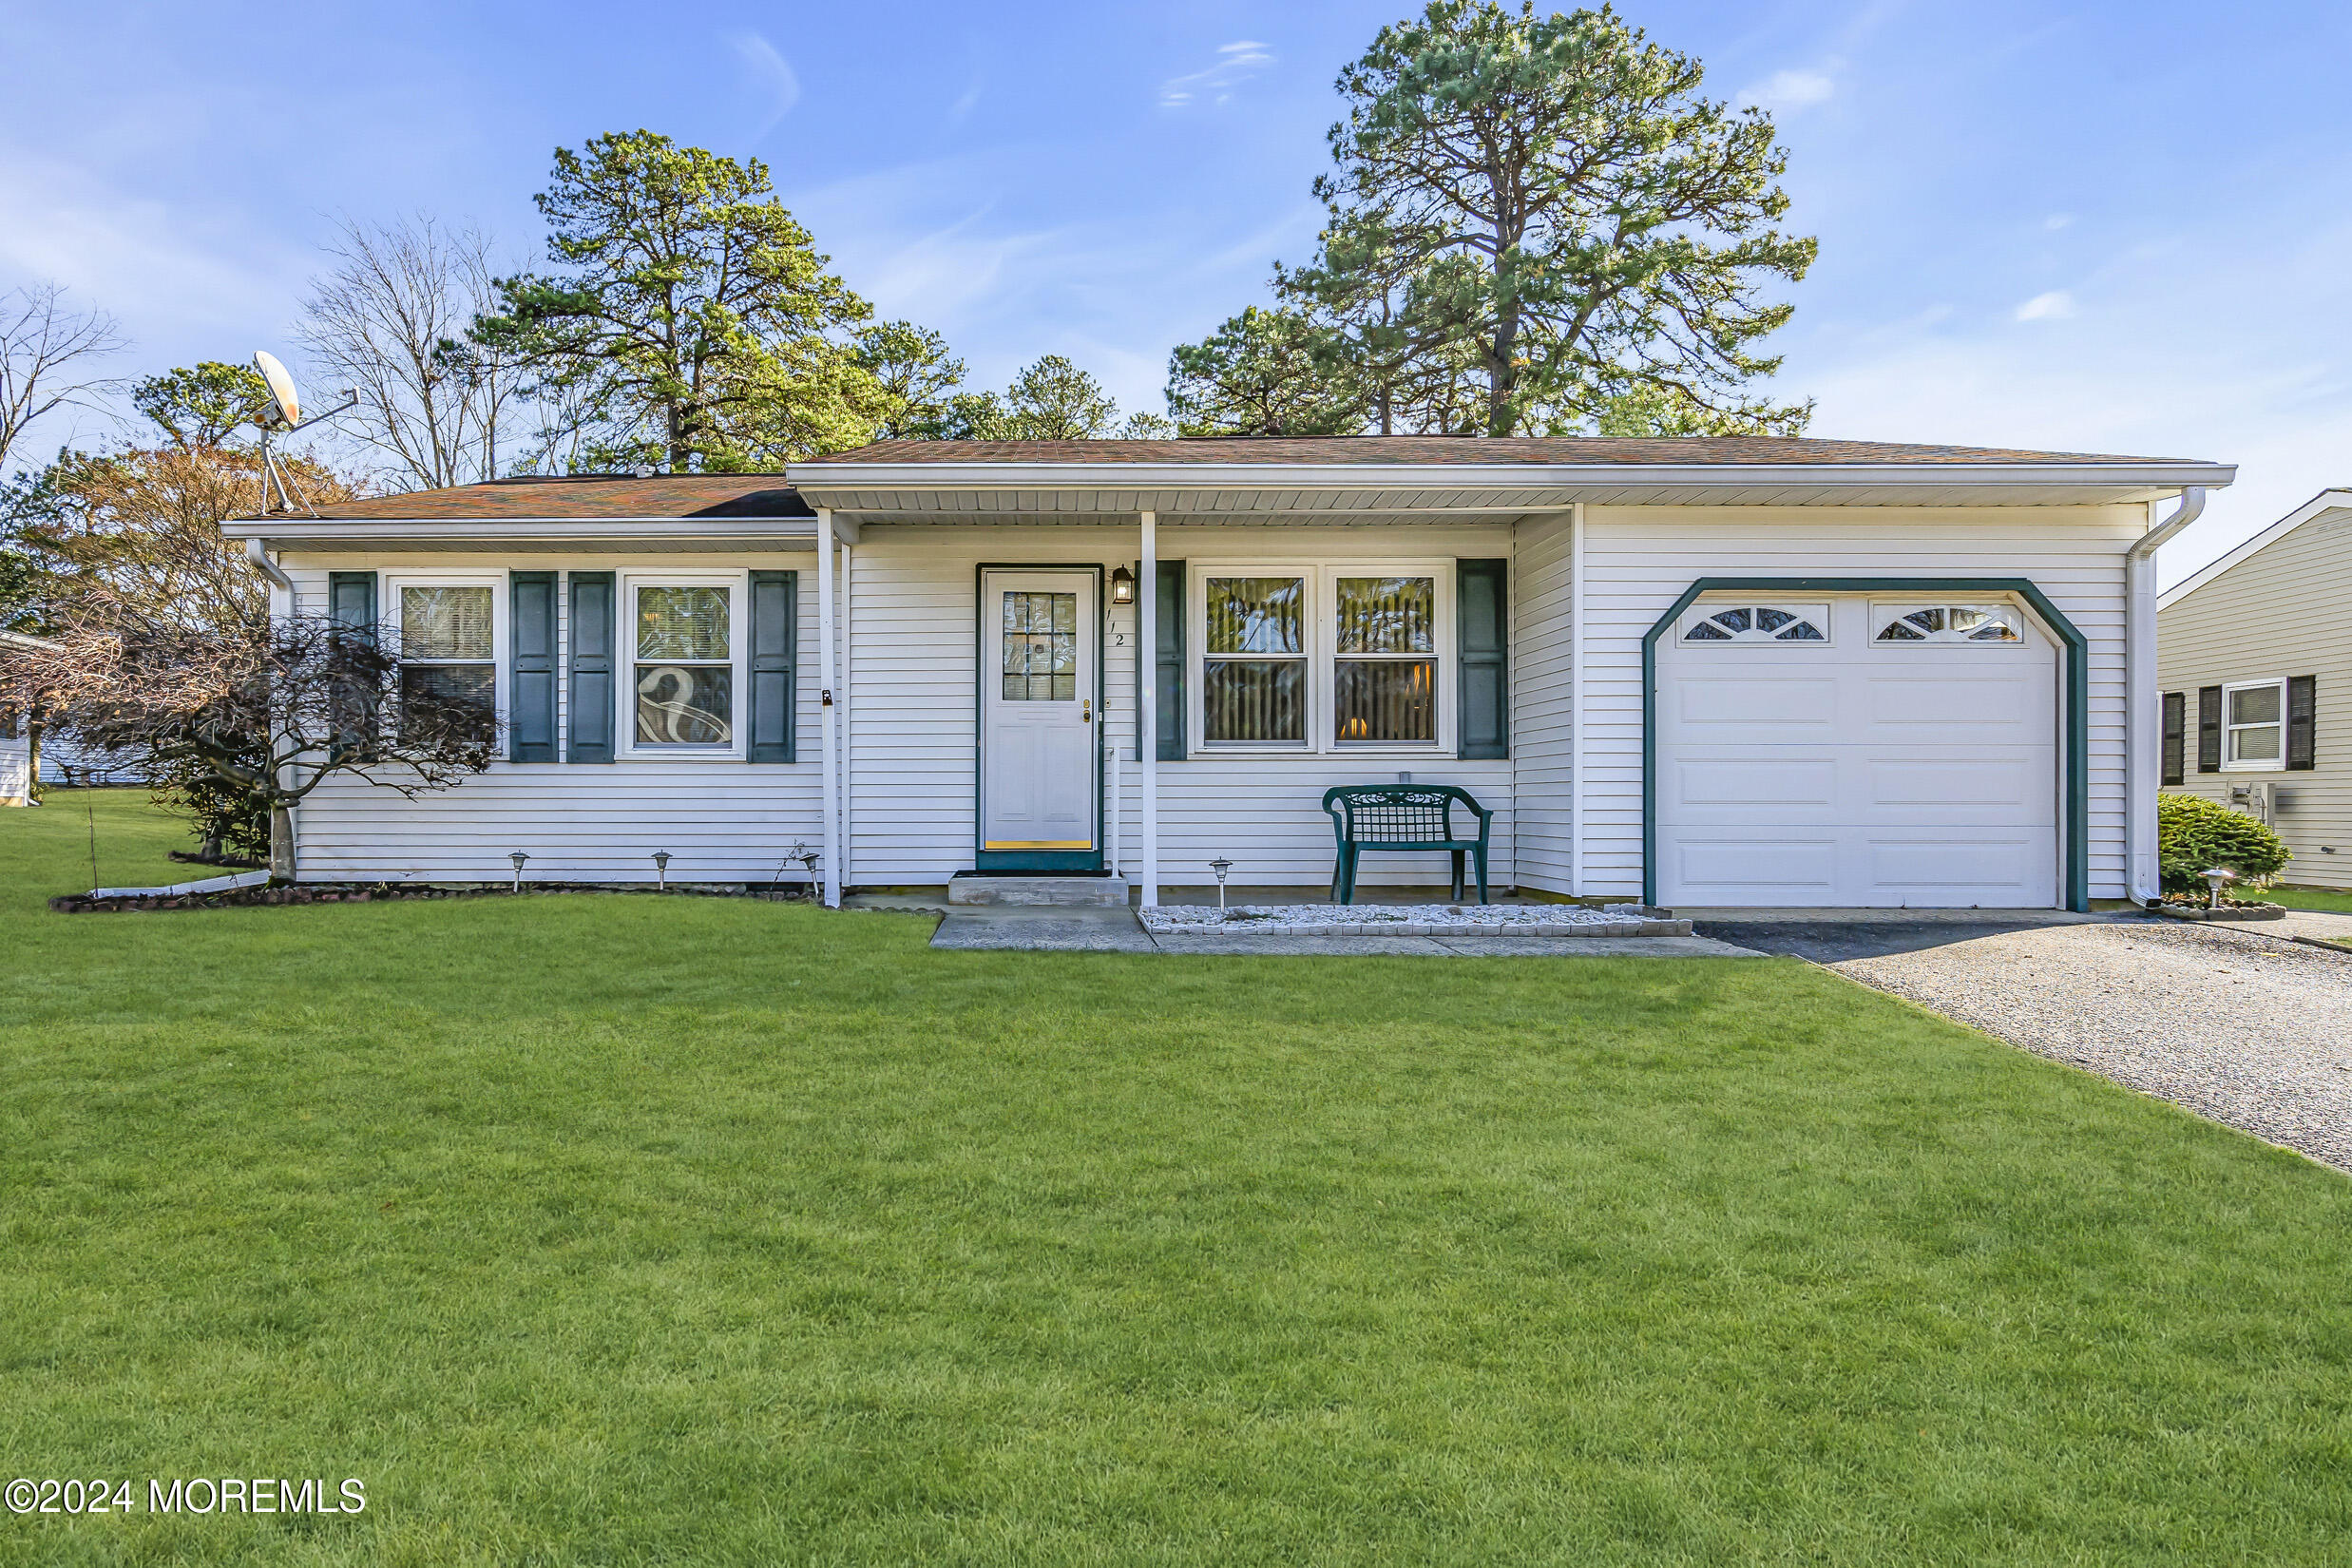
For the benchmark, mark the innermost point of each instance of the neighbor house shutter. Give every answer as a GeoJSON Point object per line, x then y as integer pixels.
{"type": "Point", "coordinates": [2302, 700]}
{"type": "Point", "coordinates": [1168, 660]}
{"type": "Point", "coordinates": [774, 649]}
{"type": "Point", "coordinates": [2175, 736]}
{"type": "Point", "coordinates": [591, 717]}
{"type": "Point", "coordinates": [530, 644]}
{"type": "Point", "coordinates": [351, 604]}
{"type": "Point", "coordinates": [1481, 634]}
{"type": "Point", "coordinates": [2209, 729]}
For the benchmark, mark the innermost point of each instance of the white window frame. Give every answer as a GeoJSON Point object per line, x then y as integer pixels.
{"type": "Point", "coordinates": [1819, 612]}
{"type": "Point", "coordinates": [739, 638]}
{"type": "Point", "coordinates": [1884, 611]}
{"type": "Point", "coordinates": [501, 602]}
{"type": "Point", "coordinates": [2230, 763]}
{"type": "Point", "coordinates": [1321, 623]}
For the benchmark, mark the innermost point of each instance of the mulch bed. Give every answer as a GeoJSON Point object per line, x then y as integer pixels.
{"type": "Point", "coordinates": [379, 892]}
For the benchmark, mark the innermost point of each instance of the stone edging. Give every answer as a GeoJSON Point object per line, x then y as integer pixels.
{"type": "Point", "coordinates": [1427, 928]}
{"type": "Point", "coordinates": [2256, 911]}
{"type": "Point", "coordinates": [340, 892]}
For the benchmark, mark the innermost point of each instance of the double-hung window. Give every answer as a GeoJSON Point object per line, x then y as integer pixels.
{"type": "Point", "coordinates": [2254, 726]}
{"type": "Point", "coordinates": [448, 645]}
{"type": "Point", "coordinates": [687, 645]}
{"type": "Point", "coordinates": [1323, 658]}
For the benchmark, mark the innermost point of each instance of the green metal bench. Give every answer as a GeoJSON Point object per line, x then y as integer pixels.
{"type": "Point", "coordinates": [1400, 816]}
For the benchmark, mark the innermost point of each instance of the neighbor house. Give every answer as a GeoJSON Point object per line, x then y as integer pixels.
{"type": "Point", "coordinates": [2256, 669]}
{"type": "Point", "coordinates": [1694, 672]}
{"type": "Point", "coordinates": [20, 738]}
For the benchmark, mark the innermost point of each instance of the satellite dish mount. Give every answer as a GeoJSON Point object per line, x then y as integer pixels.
{"type": "Point", "coordinates": [284, 411]}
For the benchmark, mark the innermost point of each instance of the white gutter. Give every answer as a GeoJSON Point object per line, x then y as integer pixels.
{"type": "Point", "coordinates": [1453, 476]}
{"type": "Point", "coordinates": [786, 532]}
{"type": "Point", "coordinates": [257, 552]}
{"type": "Point", "coordinates": [2143, 715]}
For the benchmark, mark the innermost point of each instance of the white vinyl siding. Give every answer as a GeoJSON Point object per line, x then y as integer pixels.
{"type": "Point", "coordinates": [1640, 559]}
{"type": "Point", "coordinates": [721, 820]}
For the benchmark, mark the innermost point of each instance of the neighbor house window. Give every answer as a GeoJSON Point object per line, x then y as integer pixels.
{"type": "Point", "coordinates": [2254, 725]}
{"type": "Point", "coordinates": [448, 645]}
{"type": "Point", "coordinates": [1326, 658]}
{"type": "Point", "coordinates": [685, 666]}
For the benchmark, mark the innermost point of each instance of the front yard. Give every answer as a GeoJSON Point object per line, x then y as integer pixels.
{"type": "Point", "coordinates": [672, 1229]}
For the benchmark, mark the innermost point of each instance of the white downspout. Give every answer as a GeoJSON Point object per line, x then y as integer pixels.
{"type": "Point", "coordinates": [830, 895]}
{"type": "Point", "coordinates": [1147, 710]}
{"type": "Point", "coordinates": [2143, 715]}
{"type": "Point", "coordinates": [848, 716]}
{"type": "Point", "coordinates": [282, 608]}
{"type": "Point", "coordinates": [1576, 700]}
{"type": "Point", "coordinates": [257, 552]}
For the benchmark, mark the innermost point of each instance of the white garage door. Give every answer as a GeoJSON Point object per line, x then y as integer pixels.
{"type": "Point", "coordinates": [1873, 753]}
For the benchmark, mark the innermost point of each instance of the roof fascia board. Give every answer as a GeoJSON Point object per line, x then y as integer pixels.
{"type": "Point", "coordinates": [2319, 505]}
{"type": "Point", "coordinates": [525, 527]}
{"type": "Point", "coordinates": [1064, 476]}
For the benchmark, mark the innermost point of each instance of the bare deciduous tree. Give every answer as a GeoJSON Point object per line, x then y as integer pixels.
{"type": "Point", "coordinates": [390, 321]}
{"type": "Point", "coordinates": [47, 350]}
{"type": "Point", "coordinates": [272, 709]}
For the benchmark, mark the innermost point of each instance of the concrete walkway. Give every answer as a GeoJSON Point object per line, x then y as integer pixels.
{"type": "Point", "coordinates": [983, 928]}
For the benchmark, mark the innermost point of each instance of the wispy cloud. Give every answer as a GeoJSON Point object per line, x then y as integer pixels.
{"type": "Point", "coordinates": [1235, 62]}
{"type": "Point", "coordinates": [2054, 306]}
{"type": "Point", "coordinates": [1789, 90]}
{"type": "Point", "coordinates": [770, 75]}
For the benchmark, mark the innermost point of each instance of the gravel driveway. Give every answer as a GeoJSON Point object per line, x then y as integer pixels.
{"type": "Point", "coordinates": [2247, 1029]}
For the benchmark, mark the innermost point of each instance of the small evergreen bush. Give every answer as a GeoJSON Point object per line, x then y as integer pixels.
{"type": "Point", "coordinates": [2194, 834]}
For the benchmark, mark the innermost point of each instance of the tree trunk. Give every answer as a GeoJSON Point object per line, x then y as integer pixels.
{"type": "Point", "coordinates": [281, 843]}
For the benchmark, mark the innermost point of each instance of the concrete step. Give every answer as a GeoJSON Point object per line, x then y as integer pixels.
{"type": "Point", "coordinates": [1075, 892]}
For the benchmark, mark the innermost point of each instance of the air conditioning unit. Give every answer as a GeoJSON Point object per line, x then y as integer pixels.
{"type": "Point", "coordinates": [2255, 798]}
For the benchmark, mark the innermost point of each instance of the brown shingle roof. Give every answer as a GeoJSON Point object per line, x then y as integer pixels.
{"type": "Point", "coordinates": [1445, 449]}
{"type": "Point", "coordinates": [589, 495]}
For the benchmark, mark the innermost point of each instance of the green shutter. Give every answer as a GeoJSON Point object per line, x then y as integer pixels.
{"type": "Point", "coordinates": [2175, 737]}
{"type": "Point", "coordinates": [530, 648]}
{"type": "Point", "coordinates": [774, 650]}
{"type": "Point", "coordinates": [1481, 637]}
{"type": "Point", "coordinates": [351, 600]}
{"type": "Point", "coordinates": [1168, 660]}
{"type": "Point", "coordinates": [2209, 729]}
{"type": "Point", "coordinates": [351, 606]}
{"type": "Point", "coordinates": [592, 712]}
{"type": "Point", "coordinates": [2303, 708]}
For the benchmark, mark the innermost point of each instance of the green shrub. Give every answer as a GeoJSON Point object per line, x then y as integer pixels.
{"type": "Point", "coordinates": [2194, 834]}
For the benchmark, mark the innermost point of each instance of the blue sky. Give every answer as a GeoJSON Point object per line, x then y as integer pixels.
{"type": "Point", "coordinates": [2116, 226]}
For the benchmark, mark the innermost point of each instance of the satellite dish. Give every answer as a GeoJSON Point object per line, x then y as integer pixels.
{"type": "Point", "coordinates": [289, 407]}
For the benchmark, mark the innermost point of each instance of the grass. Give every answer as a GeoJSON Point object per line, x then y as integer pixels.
{"type": "Point", "coordinates": [679, 1230]}
{"type": "Point", "coordinates": [2330, 900]}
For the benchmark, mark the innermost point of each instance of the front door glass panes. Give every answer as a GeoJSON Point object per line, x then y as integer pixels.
{"type": "Point", "coordinates": [686, 679]}
{"type": "Point", "coordinates": [1041, 647]}
{"type": "Point", "coordinates": [1384, 685]}
{"type": "Point", "coordinates": [1254, 677]}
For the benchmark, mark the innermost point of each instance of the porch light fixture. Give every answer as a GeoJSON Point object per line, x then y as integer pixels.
{"type": "Point", "coordinates": [1122, 586]}
{"type": "Point", "coordinates": [661, 871]}
{"type": "Point", "coordinates": [518, 857]}
{"type": "Point", "coordinates": [2216, 879]}
{"type": "Point", "coordinates": [1220, 865]}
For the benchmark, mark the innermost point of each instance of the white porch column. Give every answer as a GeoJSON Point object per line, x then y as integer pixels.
{"type": "Point", "coordinates": [1147, 709]}
{"type": "Point", "coordinates": [827, 754]}
{"type": "Point", "coordinates": [1576, 700]}
{"type": "Point", "coordinates": [849, 718]}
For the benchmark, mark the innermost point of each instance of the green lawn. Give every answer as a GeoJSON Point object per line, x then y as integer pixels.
{"type": "Point", "coordinates": [2326, 899]}
{"type": "Point", "coordinates": [685, 1230]}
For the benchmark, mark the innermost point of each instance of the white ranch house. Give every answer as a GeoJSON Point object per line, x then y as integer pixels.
{"type": "Point", "coordinates": [1705, 672]}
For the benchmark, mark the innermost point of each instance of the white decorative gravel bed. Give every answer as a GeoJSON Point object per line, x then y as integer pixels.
{"type": "Point", "coordinates": [1412, 920]}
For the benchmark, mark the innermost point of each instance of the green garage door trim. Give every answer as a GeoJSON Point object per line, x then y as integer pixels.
{"type": "Point", "coordinates": [2077, 699]}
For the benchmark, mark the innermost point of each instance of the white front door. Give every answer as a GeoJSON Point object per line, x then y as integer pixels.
{"type": "Point", "coordinates": [1889, 753]}
{"type": "Point", "coordinates": [1038, 647]}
